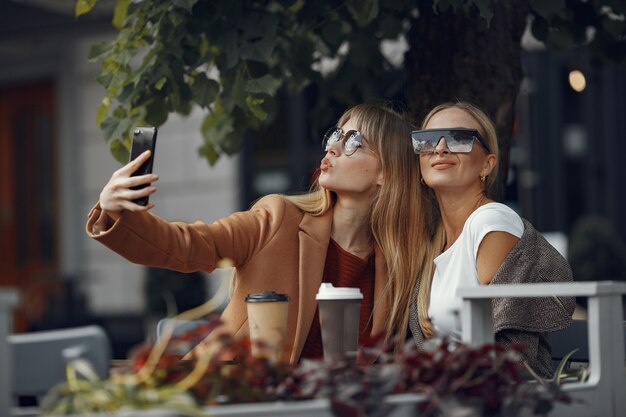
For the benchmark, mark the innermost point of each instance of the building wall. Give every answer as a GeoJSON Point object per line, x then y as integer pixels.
{"type": "Point", "coordinates": [188, 190]}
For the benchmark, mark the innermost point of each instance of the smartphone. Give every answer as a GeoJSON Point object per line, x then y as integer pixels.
{"type": "Point", "coordinates": [144, 138]}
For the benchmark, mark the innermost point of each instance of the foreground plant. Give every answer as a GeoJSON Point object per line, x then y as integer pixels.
{"type": "Point", "coordinates": [489, 380]}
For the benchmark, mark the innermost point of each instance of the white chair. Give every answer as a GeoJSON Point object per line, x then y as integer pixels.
{"type": "Point", "coordinates": [180, 326]}
{"type": "Point", "coordinates": [604, 392]}
{"type": "Point", "coordinates": [558, 240]}
{"type": "Point", "coordinates": [9, 298]}
{"type": "Point", "coordinates": [39, 359]}
{"type": "Point", "coordinates": [563, 342]}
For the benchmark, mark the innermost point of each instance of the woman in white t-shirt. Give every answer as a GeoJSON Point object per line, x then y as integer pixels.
{"type": "Point", "coordinates": [473, 236]}
{"type": "Point", "coordinates": [457, 266]}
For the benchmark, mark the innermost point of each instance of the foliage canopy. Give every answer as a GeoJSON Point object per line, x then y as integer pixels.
{"type": "Point", "coordinates": [232, 58]}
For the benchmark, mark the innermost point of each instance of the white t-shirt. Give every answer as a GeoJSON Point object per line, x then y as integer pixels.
{"type": "Point", "coordinates": [457, 265]}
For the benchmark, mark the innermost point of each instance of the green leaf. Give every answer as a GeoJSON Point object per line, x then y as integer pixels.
{"type": "Point", "coordinates": [115, 127]}
{"type": "Point", "coordinates": [118, 81]}
{"type": "Point", "coordinates": [255, 105]}
{"type": "Point", "coordinates": [236, 95]}
{"type": "Point", "coordinates": [616, 28]}
{"type": "Point", "coordinates": [127, 93]}
{"type": "Point", "coordinates": [180, 96]}
{"type": "Point", "coordinates": [120, 112]}
{"type": "Point", "coordinates": [216, 127]}
{"type": "Point", "coordinates": [148, 62]}
{"type": "Point", "coordinates": [209, 152]}
{"type": "Point", "coordinates": [203, 46]}
{"type": "Point", "coordinates": [204, 90]}
{"type": "Point", "coordinates": [115, 132]}
{"type": "Point", "coordinates": [159, 84]}
{"type": "Point", "coordinates": [363, 11]}
{"type": "Point", "coordinates": [100, 50]}
{"type": "Point", "coordinates": [185, 4]}
{"type": "Point", "coordinates": [558, 373]}
{"type": "Point", "coordinates": [484, 9]}
{"type": "Point", "coordinates": [256, 25]}
{"type": "Point", "coordinates": [119, 150]}
{"type": "Point", "coordinates": [228, 46]}
{"type": "Point", "coordinates": [266, 84]}
{"type": "Point", "coordinates": [443, 5]}
{"type": "Point", "coordinates": [104, 79]}
{"type": "Point", "coordinates": [156, 112]}
{"type": "Point", "coordinates": [548, 8]}
{"type": "Point", "coordinates": [176, 18]}
{"type": "Point", "coordinates": [103, 109]}
{"type": "Point", "coordinates": [258, 50]}
{"type": "Point", "coordinates": [259, 36]}
{"type": "Point", "coordinates": [296, 6]}
{"type": "Point", "coordinates": [84, 6]}
{"type": "Point", "coordinates": [119, 13]}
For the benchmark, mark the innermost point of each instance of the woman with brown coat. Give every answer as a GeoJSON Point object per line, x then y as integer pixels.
{"type": "Point", "coordinates": [346, 231]}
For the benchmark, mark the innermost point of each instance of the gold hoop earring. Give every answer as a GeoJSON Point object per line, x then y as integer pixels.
{"type": "Point", "coordinates": [482, 178]}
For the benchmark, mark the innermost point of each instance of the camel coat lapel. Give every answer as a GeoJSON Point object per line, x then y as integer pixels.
{"type": "Point", "coordinates": [314, 236]}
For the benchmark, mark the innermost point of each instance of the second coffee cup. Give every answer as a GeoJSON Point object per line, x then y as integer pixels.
{"type": "Point", "coordinates": [340, 312]}
{"type": "Point", "coordinates": [267, 320]}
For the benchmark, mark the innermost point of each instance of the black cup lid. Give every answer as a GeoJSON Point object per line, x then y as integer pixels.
{"type": "Point", "coordinates": [266, 296]}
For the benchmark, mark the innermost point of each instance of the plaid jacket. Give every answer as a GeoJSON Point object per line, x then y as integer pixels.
{"type": "Point", "coordinates": [525, 320]}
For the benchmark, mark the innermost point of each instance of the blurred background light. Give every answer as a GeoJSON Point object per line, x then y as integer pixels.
{"type": "Point", "coordinates": [577, 80]}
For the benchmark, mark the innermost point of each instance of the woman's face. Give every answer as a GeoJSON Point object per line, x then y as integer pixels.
{"type": "Point", "coordinates": [443, 169]}
{"type": "Point", "coordinates": [359, 174]}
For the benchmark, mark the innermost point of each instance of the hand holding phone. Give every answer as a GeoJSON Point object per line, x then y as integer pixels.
{"type": "Point", "coordinates": [144, 138]}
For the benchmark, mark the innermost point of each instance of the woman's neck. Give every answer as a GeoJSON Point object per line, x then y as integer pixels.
{"type": "Point", "coordinates": [351, 226]}
{"type": "Point", "coordinates": [455, 210]}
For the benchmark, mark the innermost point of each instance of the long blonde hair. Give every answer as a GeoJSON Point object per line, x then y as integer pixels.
{"type": "Point", "coordinates": [397, 217]}
{"type": "Point", "coordinates": [434, 225]}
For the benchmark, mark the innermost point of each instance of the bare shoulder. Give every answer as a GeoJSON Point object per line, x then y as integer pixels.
{"type": "Point", "coordinates": [492, 251]}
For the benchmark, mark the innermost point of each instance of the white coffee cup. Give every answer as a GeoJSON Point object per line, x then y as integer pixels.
{"type": "Point", "coordinates": [340, 313]}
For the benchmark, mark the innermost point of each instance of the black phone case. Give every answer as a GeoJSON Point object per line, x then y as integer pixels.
{"type": "Point", "coordinates": [144, 138]}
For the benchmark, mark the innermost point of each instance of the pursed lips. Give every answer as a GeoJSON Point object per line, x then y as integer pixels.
{"type": "Point", "coordinates": [325, 164]}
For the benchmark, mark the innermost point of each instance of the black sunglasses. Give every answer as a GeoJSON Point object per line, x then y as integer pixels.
{"type": "Point", "coordinates": [458, 140]}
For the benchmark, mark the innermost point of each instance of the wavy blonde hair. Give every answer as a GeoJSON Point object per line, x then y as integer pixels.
{"type": "Point", "coordinates": [434, 226]}
{"type": "Point", "coordinates": [397, 216]}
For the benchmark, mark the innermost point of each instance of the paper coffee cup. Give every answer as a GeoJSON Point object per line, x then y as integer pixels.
{"type": "Point", "coordinates": [340, 312]}
{"type": "Point", "coordinates": [267, 321]}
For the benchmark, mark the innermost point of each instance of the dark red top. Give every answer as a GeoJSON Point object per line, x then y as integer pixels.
{"type": "Point", "coordinates": [343, 269]}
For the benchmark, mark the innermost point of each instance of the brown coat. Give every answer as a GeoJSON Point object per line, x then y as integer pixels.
{"type": "Point", "coordinates": [274, 246]}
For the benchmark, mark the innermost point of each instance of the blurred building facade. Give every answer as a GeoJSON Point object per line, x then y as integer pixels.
{"type": "Point", "coordinates": [54, 162]}
{"type": "Point", "coordinates": [565, 164]}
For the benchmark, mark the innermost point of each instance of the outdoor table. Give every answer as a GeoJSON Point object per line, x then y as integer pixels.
{"type": "Point", "coordinates": [404, 407]}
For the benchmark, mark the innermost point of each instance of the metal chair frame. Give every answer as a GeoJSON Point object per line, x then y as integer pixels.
{"type": "Point", "coordinates": [603, 393]}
